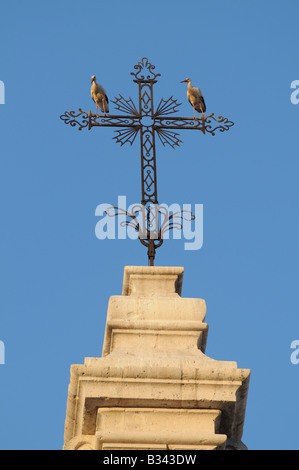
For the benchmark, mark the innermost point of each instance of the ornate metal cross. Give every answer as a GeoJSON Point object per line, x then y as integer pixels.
{"type": "Point", "coordinates": [148, 122]}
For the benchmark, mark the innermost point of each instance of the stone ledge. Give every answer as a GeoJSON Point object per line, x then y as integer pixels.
{"type": "Point", "coordinates": [152, 280]}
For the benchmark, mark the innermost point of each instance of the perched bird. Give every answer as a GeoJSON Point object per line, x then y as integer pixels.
{"type": "Point", "coordinates": [195, 98]}
{"type": "Point", "coordinates": [99, 96]}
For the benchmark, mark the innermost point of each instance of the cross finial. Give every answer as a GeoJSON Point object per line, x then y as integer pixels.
{"type": "Point", "coordinates": [141, 68]}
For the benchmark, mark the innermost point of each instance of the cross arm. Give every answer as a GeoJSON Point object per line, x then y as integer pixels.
{"type": "Point", "coordinates": [129, 126]}
{"type": "Point", "coordinates": [205, 124]}
{"type": "Point", "coordinates": [88, 119]}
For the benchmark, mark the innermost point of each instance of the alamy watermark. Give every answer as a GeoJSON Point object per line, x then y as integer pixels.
{"type": "Point", "coordinates": [295, 94]}
{"type": "Point", "coordinates": [2, 93]}
{"type": "Point", "coordinates": [295, 344]}
{"type": "Point", "coordinates": [154, 221]}
{"type": "Point", "coordinates": [2, 353]}
{"type": "Point", "coordinates": [295, 354]}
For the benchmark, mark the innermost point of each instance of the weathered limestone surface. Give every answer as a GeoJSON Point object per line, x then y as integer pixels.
{"type": "Point", "coordinates": [154, 387]}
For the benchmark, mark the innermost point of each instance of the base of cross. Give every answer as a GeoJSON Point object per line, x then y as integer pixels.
{"type": "Point", "coordinates": [145, 220]}
{"type": "Point", "coordinates": [152, 245]}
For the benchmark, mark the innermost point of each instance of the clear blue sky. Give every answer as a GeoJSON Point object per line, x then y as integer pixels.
{"type": "Point", "coordinates": [56, 277]}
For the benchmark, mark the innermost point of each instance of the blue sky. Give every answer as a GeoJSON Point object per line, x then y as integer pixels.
{"type": "Point", "coordinates": [56, 277]}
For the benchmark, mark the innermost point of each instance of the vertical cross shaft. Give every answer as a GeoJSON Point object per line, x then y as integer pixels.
{"type": "Point", "coordinates": [147, 143]}
{"type": "Point", "coordinates": [148, 158]}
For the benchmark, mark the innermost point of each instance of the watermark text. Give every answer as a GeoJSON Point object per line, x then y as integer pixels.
{"type": "Point", "coordinates": [2, 93]}
{"type": "Point", "coordinates": [295, 94]}
{"type": "Point", "coordinates": [295, 353]}
{"type": "Point", "coordinates": [154, 221]}
{"type": "Point", "coordinates": [2, 353]}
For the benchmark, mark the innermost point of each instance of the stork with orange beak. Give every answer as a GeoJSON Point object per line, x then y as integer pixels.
{"type": "Point", "coordinates": [195, 98]}
{"type": "Point", "coordinates": [99, 96]}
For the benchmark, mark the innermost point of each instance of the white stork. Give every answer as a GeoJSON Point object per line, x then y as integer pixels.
{"type": "Point", "coordinates": [99, 96]}
{"type": "Point", "coordinates": [195, 98]}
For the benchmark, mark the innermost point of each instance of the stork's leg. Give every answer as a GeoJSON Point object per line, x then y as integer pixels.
{"type": "Point", "coordinates": [96, 109]}
{"type": "Point", "coordinates": [203, 114]}
{"type": "Point", "coordinates": [194, 111]}
{"type": "Point", "coordinates": [104, 105]}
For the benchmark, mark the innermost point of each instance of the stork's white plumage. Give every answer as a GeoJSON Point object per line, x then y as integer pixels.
{"type": "Point", "coordinates": [195, 98]}
{"type": "Point", "coordinates": [99, 96]}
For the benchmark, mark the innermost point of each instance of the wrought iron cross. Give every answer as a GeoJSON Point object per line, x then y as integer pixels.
{"type": "Point", "coordinates": [148, 122]}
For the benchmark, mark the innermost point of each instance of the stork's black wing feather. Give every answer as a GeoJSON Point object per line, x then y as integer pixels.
{"type": "Point", "coordinates": [201, 106]}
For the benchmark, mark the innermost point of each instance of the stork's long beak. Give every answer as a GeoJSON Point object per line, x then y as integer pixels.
{"type": "Point", "coordinates": [184, 81]}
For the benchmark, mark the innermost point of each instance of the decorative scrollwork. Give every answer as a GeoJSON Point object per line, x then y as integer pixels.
{"type": "Point", "coordinates": [71, 118]}
{"type": "Point", "coordinates": [168, 137]}
{"type": "Point", "coordinates": [167, 107]}
{"type": "Point", "coordinates": [225, 124]}
{"type": "Point", "coordinates": [180, 123]}
{"type": "Point", "coordinates": [141, 68]}
{"type": "Point", "coordinates": [126, 135]}
{"type": "Point", "coordinates": [174, 220]}
{"type": "Point", "coordinates": [132, 222]}
{"type": "Point", "coordinates": [148, 223]}
{"type": "Point", "coordinates": [203, 124]}
{"type": "Point", "coordinates": [113, 120]}
{"type": "Point", "coordinates": [125, 106]}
